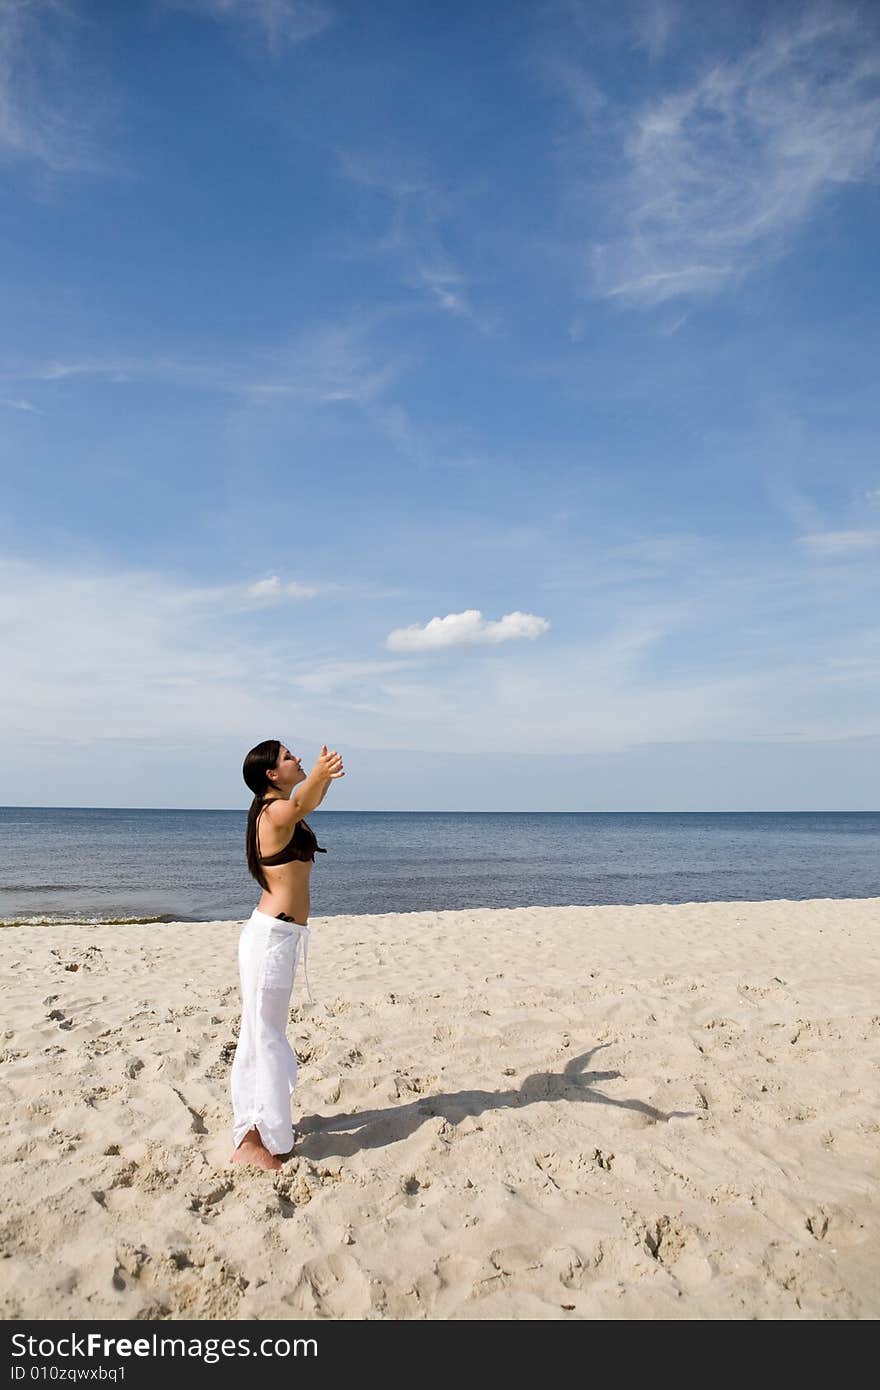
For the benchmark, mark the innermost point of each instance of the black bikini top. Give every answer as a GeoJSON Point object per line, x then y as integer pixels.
{"type": "Point", "coordinates": [302, 845]}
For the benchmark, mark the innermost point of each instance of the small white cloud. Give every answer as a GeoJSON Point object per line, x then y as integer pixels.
{"type": "Point", "coordinates": [22, 405]}
{"type": "Point", "coordinates": [840, 542]}
{"type": "Point", "coordinates": [468, 628]}
{"type": "Point", "coordinates": [272, 589]}
{"type": "Point", "coordinates": [266, 588]}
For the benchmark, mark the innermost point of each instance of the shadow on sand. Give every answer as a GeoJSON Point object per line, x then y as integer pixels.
{"type": "Point", "coordinates": [375, 1129]}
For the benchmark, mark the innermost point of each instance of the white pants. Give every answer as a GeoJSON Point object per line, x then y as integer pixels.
{"type": "Point", "coordinates": [264, 1068]}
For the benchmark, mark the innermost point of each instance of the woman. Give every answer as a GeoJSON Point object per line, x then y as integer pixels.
{"type": "Point", "coordinates": [280, 852]}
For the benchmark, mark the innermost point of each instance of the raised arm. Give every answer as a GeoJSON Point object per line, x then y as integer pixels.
{"type": "Point", "coordinates": [311, 792]}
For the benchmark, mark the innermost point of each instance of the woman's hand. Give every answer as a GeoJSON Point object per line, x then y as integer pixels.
{"type": "Point", "coordinates": [329, 765]}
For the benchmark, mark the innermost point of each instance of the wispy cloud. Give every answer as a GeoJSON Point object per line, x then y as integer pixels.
{"type": "Point", "coordinates": [135, 652]}
{"type": "Point", "coordinates": [447, 287]}
{"type": "Point", "coordinates": [327, 363]}
{"type": "Point", "coordinates": [120, 368]}
{"type": "Point", "coordinates": [653, 22]}
{"type": "Point", "coordinates": [281, 22]}
{"type": "Point", "coordinates": [330, 676]}
{"type": "Point", "coordinates": [116, 370]}
{"type": "Point", "coordinates": [21, 405]}
{"type": "Point", "coordinates": [132, 651]}
{"type": "Point", "coordinates": [417, 209]}
{"type": "Point", "coordinates": [323, 364]}
{"type": "Point", "coordinates": [427, 447]}
{"type": "Point", "coordinates": [49, 98]}
{"type": "Point", "coordinates": [719, 175]}
{"type": "Point", "coordinates": [840, 543]}
{"type": "Point", "coordinates": [272, 590]}
{"type": "Point", "coordinates": [465, 629]}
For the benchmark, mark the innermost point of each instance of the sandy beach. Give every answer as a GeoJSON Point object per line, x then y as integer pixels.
{"type": "Point", "coordinates": [609, 1112]}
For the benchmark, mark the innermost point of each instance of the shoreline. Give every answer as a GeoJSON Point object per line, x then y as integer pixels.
{"type": "Point", "coordinates": [164, 921]}
{"type": "Point", "coordinates": [640, 1111]}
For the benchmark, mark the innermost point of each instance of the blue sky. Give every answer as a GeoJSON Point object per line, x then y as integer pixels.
{"type": "Point", "coordinates": [489, 391]}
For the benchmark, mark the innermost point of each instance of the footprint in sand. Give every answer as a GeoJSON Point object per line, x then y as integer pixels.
{"type": "Point", "coordinates": [197, 1116]}
{"type": "Point", "coordinates": [87, 959]}
{"type": "Point", "coordinates": [836, 1225]}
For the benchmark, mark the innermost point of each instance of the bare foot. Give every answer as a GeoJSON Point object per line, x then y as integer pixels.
{"type": "Point", "coordinates": [252, 1150]}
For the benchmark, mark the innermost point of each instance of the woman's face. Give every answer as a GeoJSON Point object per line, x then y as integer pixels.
{"type": "Point", "coordinates": [288, 772]}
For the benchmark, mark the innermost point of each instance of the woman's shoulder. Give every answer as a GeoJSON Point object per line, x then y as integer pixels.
{"type": "Point", "coordinates": [281, 812]}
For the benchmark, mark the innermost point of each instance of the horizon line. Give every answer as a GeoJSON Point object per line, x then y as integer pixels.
{"type": "Point", "coordinates": [474, 811]}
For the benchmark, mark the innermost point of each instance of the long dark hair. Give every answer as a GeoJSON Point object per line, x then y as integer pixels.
{"type": "Point", "coordinates": [257, 763]}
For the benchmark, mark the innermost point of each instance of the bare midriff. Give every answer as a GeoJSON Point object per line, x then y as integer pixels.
{"type": "Point", "coordinates": [288, 890]}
